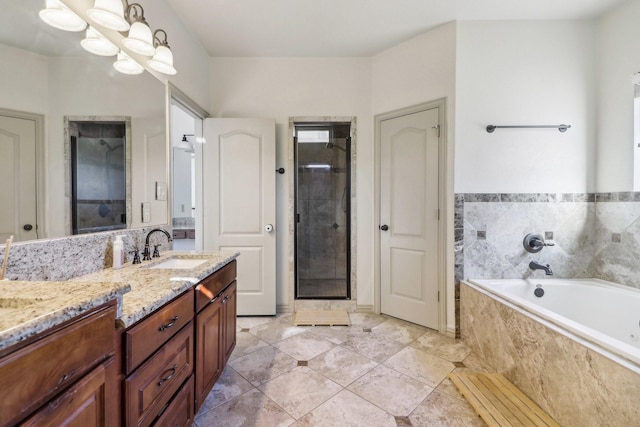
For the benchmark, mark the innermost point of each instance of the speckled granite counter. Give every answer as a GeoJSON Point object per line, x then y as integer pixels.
{"type": "Point", "coordinates": [28, 308]}
{"type": "Point", "coordinates": [152, 288]}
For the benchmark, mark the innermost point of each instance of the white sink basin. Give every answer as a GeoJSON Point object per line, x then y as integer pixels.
{"type": "Point", "coordinates": [179, 263]}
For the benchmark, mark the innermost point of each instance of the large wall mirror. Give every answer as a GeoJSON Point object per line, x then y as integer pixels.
{"type": "Point", "coordinates": [46, 77]}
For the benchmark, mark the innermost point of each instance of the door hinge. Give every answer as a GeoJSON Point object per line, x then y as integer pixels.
{"type": "Point", "coordinates": [437, 128]}
{"type": "Point", "coordinates": [297, 217]}
{"type": "Point", "coordinates": [438, 296]}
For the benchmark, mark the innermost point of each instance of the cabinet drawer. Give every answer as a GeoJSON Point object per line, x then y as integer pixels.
{"type": "Point", "coordinates": [211, 286]}
{"type": "Point", "coordinates": [179, 413]}
{"type": "Point", "coordinates": [151, 386]}
{"type": "Point", "coordinates": [35, 373]}
{"type": "Point", "coordinates": [143, 339]}
{"type": "Point", "coordinates": [83, 404]}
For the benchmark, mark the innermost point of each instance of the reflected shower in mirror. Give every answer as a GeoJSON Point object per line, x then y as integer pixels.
{"type": "Point", "coordinates": [98, 169]}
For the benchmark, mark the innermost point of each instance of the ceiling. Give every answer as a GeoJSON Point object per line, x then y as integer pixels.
{"type": "Point", "coordinates": [349, 28]}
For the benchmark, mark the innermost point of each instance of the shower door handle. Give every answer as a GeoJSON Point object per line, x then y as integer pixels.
{"type": "Point", "coordinates": [384, 227]}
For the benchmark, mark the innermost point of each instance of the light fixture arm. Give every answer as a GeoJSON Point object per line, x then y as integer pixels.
{"type": "Point", "coordinates": [160, 42]}
{"type": "Point", "coordinates": [138, 13]}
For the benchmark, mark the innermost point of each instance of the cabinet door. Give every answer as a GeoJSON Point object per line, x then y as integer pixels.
{"type": "Point", "coordinates": [209, 363]}
{"type": "Point", "coordinates": [229, 302]}
{"type": "Point", "coordinates": [82, 405]}
{"type": "Point", "coordinates": [180, 412]}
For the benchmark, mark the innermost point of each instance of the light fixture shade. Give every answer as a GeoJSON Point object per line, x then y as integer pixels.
{"type": "Point", "coordinates": [126, 65]}
{"type": "Point", "coordinates": [162, 61]}
{"type": "Point", "coordinates": [140, 39]}
{"type": "Point", "coordinates": [61, 17]}
{"type": "Point", "coordinates": [109, 14]}
{"type": "Point", "coordinates": [96, 43]}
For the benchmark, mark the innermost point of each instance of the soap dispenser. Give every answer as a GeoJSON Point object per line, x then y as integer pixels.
{"type": "Point", "coordinates": [118, 252]}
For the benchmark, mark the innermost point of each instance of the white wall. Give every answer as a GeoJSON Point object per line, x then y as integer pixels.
{"type": "Point", "coordinates": [525, 72]}
{"type": "Point", "coordinates": [181, 124]}
{"type": "Point", "coordinates": [23, 80]}
{"type": "Point", "coordinates": [416, 71]}
{"type": "Point", "coordinates": [618, 60]}
{"type": "Point", "coordinates": [280, 88]}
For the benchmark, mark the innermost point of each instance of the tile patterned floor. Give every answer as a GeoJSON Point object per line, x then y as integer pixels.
{"type": "Point", "coordinates": [380, 371]}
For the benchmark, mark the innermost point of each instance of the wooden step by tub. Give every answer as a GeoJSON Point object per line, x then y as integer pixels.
{"type": "Point", "coordinates": [498, 402]}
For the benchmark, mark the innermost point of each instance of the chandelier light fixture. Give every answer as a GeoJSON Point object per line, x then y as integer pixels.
{"type": "Point", "coordinates": [116, 15]}
{"type": "Point", "coordinates": [126, 65]}
{"type": "Point", "coordinates": [109, 14]}
{"type": "Point", "coordinates": [162, 60]}
{"type": "Point", "coordinates": [61, 17]}
{"type": "Point", "coordinates": [97, 44]}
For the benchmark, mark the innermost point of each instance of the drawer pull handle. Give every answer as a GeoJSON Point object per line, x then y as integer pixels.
{"type": "Point", "coordinates": [168, 325]}
{"type": "Point", "coordinates": [168, 377]}
{"type": "Point", "coordinates": [213, 300]}
{"type": "Point", "coordinates": [224, 301]}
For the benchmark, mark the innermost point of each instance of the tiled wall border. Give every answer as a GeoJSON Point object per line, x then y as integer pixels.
{"type": "Point", "coordinates": [462, 198]}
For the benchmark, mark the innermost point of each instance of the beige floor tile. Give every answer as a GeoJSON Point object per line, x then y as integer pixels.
{"type": "Point", "coordinates": [421, 366]}
{"type": "Point", "coordinates": [346, 409]}
{"type": "Point", "coordinates": [304, 346]}
{"type": "Point", "coordinates": [402, 332]}
{"type": "Point", "coordinates": [247, 343]}
{"type": "Point", "coordinates": [373, 346]}
{"type": "Point", "coordinates": [262, 365]}
{"type": "Point", "coordinates": [442, 346]}
{"type": "Point", "coordinates": [300, 390]}
{"type": "Point", "coordinates": [443, 410]}
{"type": "Point", "coordinates": [335, 334]}
{"type": "Point", "coordinates": [390, 390]}
{"type": "Point", "coordinates": [251, 409]}
{"type": "Point", "coordinates": [229, 386]}
{"type": "Point", "coordinates": [251, 322]}
{"type": "Point", "coordinates": [275, 331]}
{"type": "Point", "coordinates": [365, 320]}
{"type": "Point", "coordinates": [342, 365]}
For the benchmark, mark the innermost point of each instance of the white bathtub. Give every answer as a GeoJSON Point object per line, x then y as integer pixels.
{"type": "Point", "coordinates": [602, 315]}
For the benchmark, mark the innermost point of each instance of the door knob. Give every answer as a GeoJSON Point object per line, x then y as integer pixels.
{"type": "Point", "coordinates": [384, 227]}
{"type": "Point", "coordinates": [268, 228]}
{"type": "Point", "coordinates": [28, 227]}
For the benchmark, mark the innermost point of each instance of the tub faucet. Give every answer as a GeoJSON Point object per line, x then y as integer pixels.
{"type": "Point", "coordinates": [536, 266]}
{"type": "Point", "coordinates": [146, 254]}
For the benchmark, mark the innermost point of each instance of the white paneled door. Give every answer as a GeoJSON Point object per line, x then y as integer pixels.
{"type": "Point", "coordinates": [239, 205]}
{"type": "Point", "coordinates": [18, 178]}
{"type": "Point", "coordinates": [409, 217]}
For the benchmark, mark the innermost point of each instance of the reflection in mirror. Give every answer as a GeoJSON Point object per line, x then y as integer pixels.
{"type": "Point", "coordinates": [45, 73]}
{"type": "Point", "coordinates": [98, 170]}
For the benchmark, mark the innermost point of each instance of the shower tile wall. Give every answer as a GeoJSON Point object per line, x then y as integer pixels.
{"type": "Point", "coordinates": [595, 235]}
{"type": "Point", "coordinates": [322, 231]}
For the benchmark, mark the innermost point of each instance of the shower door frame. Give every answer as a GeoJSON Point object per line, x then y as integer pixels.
{"type": "Point", "coordinates": [351, 217]}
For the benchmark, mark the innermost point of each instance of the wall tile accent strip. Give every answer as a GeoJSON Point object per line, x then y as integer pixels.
{"type": "Point", "coordinates": [595, 234]}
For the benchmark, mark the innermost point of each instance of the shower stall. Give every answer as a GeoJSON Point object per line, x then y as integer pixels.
{"type": "Point", "coordinates": [323, 211]}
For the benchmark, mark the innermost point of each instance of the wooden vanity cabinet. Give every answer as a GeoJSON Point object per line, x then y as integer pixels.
{"type": "Point", "coordinates": [158, 353]}
{"type": "Point", "coordinates": [215, 328]}
{"type": "Point", "coordinates": [63, 375]}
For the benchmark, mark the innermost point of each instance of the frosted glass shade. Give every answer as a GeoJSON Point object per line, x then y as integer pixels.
{"type": "Point", "coordinates": [109, 14]}
{"type": "Point", "coordinates": [140, 39]}
{"type": "Point", "coordinates": [162, 61]}
{"type": "Point", "coordinates": [126, 65]}
{"type": "Point", "coordinates": [97, 44]}
{"type": "Point", "coordinates": [61, 17]}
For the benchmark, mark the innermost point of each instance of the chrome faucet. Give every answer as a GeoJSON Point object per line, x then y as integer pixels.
{"type": "Point", "coordinates": [536, 266]}
{"type": "Point", "coordinates": [146, 254]}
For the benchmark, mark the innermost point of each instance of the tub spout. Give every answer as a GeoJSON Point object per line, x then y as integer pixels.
{"type": "Point", "coordinates": [536, 266]}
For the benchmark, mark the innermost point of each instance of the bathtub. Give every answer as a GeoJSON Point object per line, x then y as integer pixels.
{"type": "Point", "coordinates": [601, 315]}
{"type": "Point", "coordinates": [574, 350]}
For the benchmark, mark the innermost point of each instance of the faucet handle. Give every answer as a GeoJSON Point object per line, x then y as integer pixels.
{"type": "Point", "coordinates": [156, 252]}
{"type": "Point", "coordinates": [136, 256]}
{"type": "Point", "coordinates": [533, 243]}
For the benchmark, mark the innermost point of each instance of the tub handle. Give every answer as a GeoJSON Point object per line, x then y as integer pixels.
{"type": "Point", "coordinates": [534, 243]}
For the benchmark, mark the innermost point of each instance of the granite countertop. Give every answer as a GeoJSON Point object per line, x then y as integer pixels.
{"type": "Point", "coordinates": [28, 308]}
{"type": "Point", "coordinates": [151, 288]}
